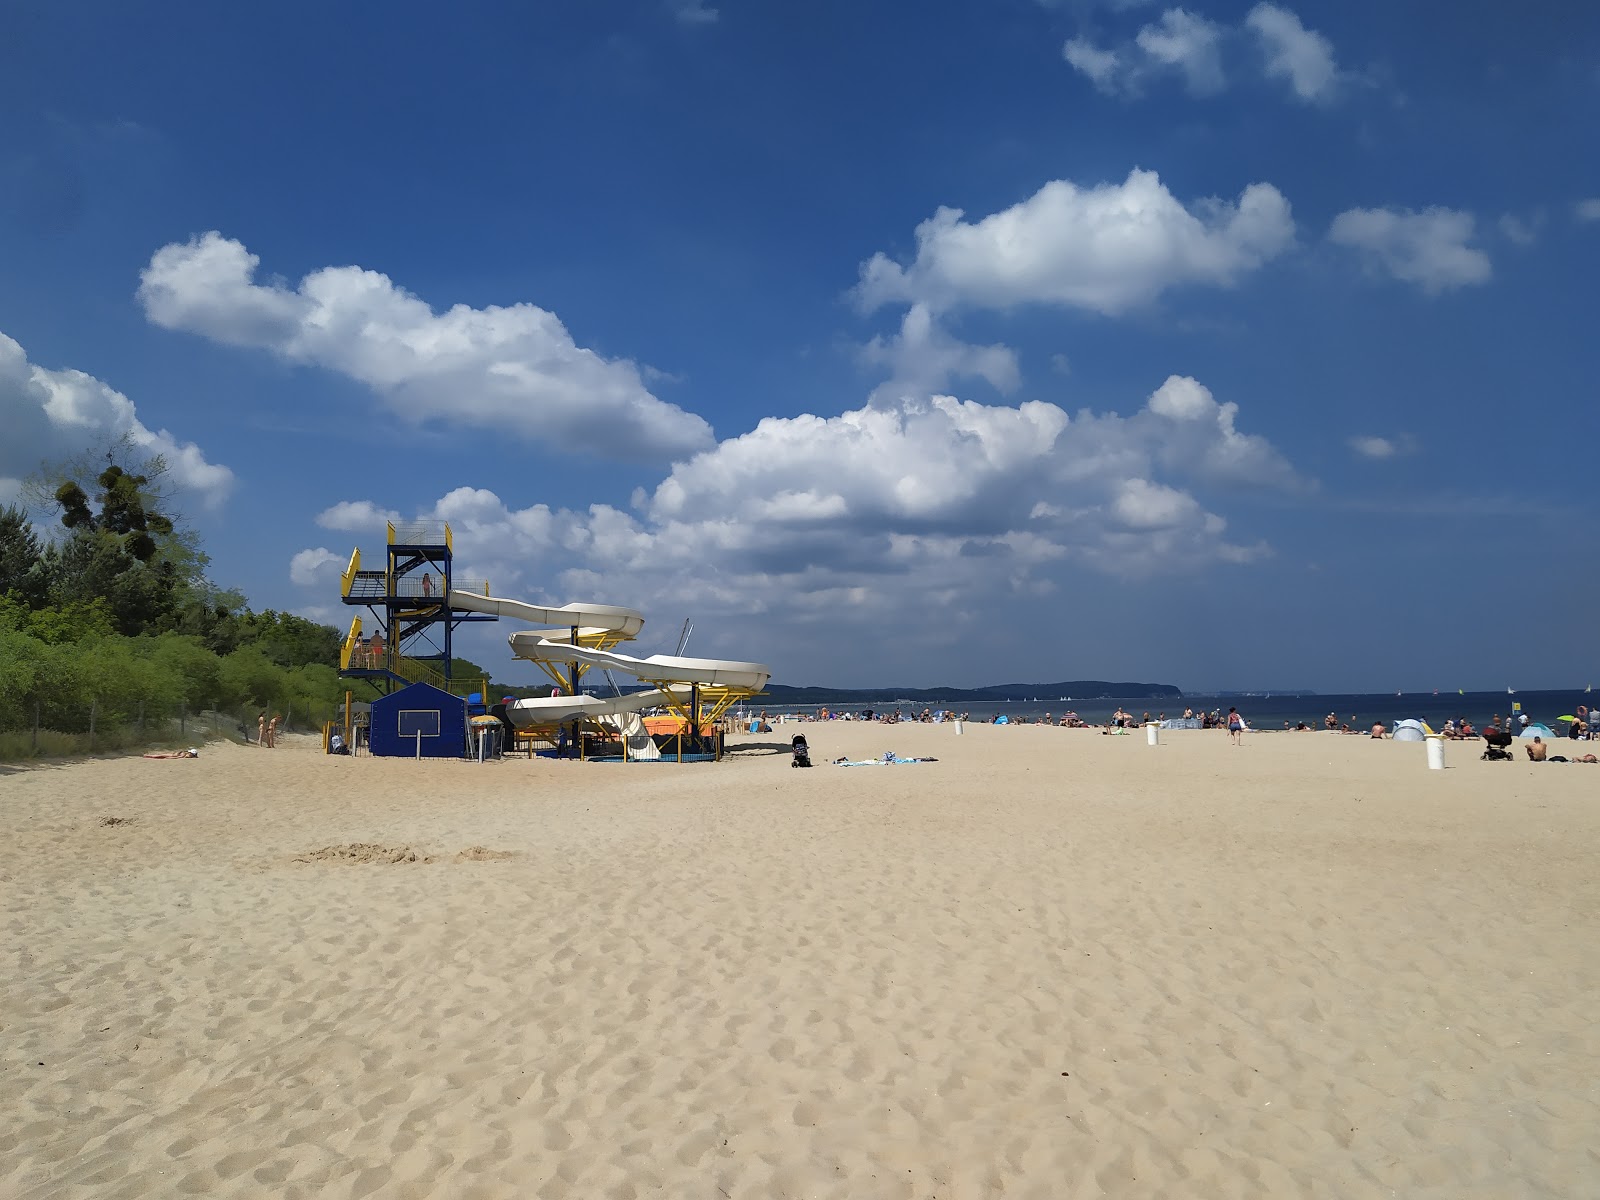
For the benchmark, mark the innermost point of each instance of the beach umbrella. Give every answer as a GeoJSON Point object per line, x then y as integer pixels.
{"type": "Point", "coordinates": [1568, 717]}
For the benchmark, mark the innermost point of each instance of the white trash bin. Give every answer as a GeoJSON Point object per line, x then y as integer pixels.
{"type": "Point", "coordinates": [1152, 734]}
{"type": "Point", "coordinates": [958, 727]}
{"type": "Point", "coordinates": [1436, 754]}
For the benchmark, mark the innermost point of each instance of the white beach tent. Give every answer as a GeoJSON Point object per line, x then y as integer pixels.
{"type": "Point", "coordinates": [1409, 731]}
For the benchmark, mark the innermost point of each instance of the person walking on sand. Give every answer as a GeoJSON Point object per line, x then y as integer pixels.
{"type": "Point", "coordinates": [1235, 726]}
{"type": "Point", "coordinates": [272, 732]}
{"type": "Point", "coordinates": [261, 728]}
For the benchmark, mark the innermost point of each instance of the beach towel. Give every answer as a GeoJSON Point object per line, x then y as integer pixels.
{"type": "Point", "coordinates": [890, 759]}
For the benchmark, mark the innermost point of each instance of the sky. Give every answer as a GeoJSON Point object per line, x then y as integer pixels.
{"type": "Point", "coordinates": [945, 343]}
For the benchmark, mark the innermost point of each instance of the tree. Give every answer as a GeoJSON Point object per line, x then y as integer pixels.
{"type": "Point", "coordinates": [21, 558]}
{"type": "Point", "coordinates": [120, 545]}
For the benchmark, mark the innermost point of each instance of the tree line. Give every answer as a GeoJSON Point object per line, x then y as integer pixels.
{"type": "Point", "coordinates": [112, 624]}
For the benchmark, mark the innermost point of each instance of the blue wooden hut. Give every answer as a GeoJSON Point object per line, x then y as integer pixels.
{"type": "Point", "coordinates": [419, 716]}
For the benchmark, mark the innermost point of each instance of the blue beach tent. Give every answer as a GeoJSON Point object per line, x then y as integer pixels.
{"type": "Point", "coordinates": [420, 709]}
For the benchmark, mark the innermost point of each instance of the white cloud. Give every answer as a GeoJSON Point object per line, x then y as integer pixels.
{"type": "Point", "coordinates": [1104, 68]}
{"type": "Point", "coordinates": [1523, 231]}
{"type": "Point", "coordinates": [1198, 437]}
{"type": "Point", "coordinates": [54, 414]}
{"type": "Point", "coordinates": [1189, 44]}
{"type": "Point", "coordinates": [1106, 248]}
{"type": "Point", "coordinates": [922, 358]}
{"type": "Point", "coordinates": [934, 517]}
{"type": "Point", "coordinates": [358, 516]}
{"type": "Point", "coordinates": [316, 567]}
{"type": "Point", "coordinates": [1061, 364]}
{"type": "Point", "coordinates": [934, 504]}
{"type": "Point", "coordinates": [1375, 447]}
{"type": "Point", "coordinates": [1428, 248]}
{"type": "Point", "coordinates": [694, 12]}
{"type": "Point", "coordinates": [1294, 53]}
{"type": "Point", "coordinates": [1180, 42]}
{"type": "Point", "coordinates": [1587, 210]}
{"type": "Point", "coordinates": [516, 370]}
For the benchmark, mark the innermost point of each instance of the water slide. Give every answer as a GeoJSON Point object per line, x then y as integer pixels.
{"type": "Point", "coordinates": [603, 623]}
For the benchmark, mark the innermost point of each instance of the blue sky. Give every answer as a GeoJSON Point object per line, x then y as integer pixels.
{"type": "Point", "coordinates": [1231, 345]}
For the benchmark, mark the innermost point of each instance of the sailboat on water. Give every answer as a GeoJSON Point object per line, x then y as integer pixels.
{"type": "Point", "coordinates": [1510, 692]}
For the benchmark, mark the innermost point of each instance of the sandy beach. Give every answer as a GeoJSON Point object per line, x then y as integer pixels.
{"type": "Point", "coordinates": [1051, 964]}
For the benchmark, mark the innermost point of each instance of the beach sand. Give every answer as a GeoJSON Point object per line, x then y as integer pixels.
{"type": "Point", "coordinates": [1052, 964]}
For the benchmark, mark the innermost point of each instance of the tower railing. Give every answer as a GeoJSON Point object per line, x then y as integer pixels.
{"type": "Point", "coordinates": [352, 570]}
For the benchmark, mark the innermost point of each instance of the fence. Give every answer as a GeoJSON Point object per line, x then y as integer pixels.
{"type": "Point", "coordinates": [65, 728]}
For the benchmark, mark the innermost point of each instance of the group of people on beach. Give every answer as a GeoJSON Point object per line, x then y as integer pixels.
{"type": "Point", "coordinates": [267, 731]}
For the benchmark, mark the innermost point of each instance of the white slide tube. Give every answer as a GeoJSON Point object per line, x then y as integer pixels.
{"type": "Point", "coordinates": [554, 645]}
{"type": "Point", "coordinates": [658, 668]}
{"type": "Point", "coordinates": [608, 617]}
{"type": "Point", "coordinates": [544, 711]}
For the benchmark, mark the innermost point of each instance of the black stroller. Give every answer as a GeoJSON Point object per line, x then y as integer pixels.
{"type": "Point", "coordinates": [801, 751]}
{"type": "Point", "coordinates": [1496, 742]}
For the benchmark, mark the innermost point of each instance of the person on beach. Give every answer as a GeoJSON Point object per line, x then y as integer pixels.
{"type": "Point", "coordinates": [272, 732]}
{"type": "Point", "coordinates": [1537, 752]}
{"type": "Point", "coordinates": [1378, 731]}
{"type": "Point", "coordinates": [1235, 726]}
{"type": "Point", "coordinates": [261, 728]}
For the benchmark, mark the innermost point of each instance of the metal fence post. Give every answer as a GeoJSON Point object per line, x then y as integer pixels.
{"type": "Point", "coordinates": [94, 707]}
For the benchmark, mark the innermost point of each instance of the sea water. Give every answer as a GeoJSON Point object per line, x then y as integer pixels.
{"type": "Point", "coordinates": [1357, 710]}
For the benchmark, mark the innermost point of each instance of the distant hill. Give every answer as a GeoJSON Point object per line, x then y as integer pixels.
{"type": "Point", "coordinates": [1076, 689]}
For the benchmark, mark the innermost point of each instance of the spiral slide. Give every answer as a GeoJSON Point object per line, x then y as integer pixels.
{"type": "Point", "coordinates": [583, 636]}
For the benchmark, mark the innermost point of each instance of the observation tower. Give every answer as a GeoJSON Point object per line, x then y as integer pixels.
{"type": "Point", "coordinates": [407, 637]}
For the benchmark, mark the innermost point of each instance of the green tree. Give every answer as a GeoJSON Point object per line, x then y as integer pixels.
{"type": "Point", "coordinates": [21, 558]}
{"type": "Point", "coordinates": [288, 640]}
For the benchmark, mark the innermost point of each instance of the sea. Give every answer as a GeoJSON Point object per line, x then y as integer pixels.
{"type": "Point", "coordinates": [1268, 710]}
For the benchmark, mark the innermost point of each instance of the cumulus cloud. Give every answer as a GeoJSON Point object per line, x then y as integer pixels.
{"type": "Point", "coordinates": [357, 516]}
{"type": "Point", "coordinates": [693, 12]}
{"type": "Point", "coordinates": [923, 357]}
{"type": "Point", "coordinates": [1375, 447]}
{"type": "Point", "coordinates": [1523, 231]}
{"type": "Point", "coordinates": [1587, 210]}
{"type": "Point", "coordinates": [1188, 44]}
{"type": "Point", "coordinates": [936, 504]}
{"type": "Point", "coordinates": [512, 369]}
{"type": "Point", "coordinates": [1106, 248]}
{"type": "Point", "coordinates": [1428, 248]}
{"type": "Point", "coordinates": [1302, 57]}
{"type": "Point", "coordinates": [1191, 46]}
{"type": "Point", "coordinates": [1104, 68]}
{"type": "Point", "coordinates": [52, 414]}
{"type": "Point", "coordinates": [315, 567]}
{"type": "Point", "coordinates": [1179, 42]}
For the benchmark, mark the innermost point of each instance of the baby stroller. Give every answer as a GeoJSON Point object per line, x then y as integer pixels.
{"type": "Point", "coordinates": [1496, 741]}
{"type": "Point", "coordinates": [801, 751]}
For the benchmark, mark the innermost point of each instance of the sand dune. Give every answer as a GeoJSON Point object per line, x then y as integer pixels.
{"type": "Point", "coordinates": [1052, 964]}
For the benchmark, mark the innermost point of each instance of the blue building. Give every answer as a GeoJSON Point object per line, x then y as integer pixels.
{"type": "Point", "coordinates": [420, 716]}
